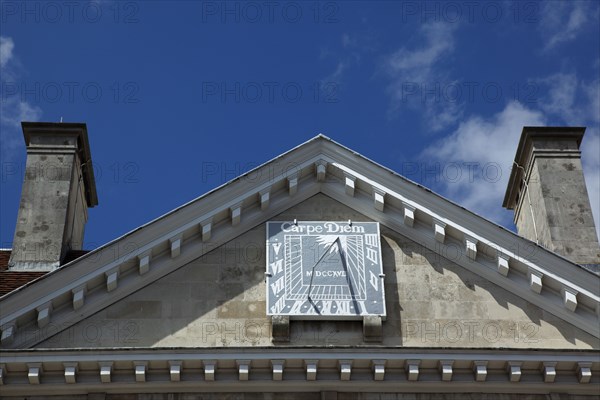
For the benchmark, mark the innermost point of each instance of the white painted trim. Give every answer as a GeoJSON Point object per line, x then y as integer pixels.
{"type": "Point", "coordinates": [321, 169]}
{"type": "Point", "coordinates": [210, 367]}
{"type": "Point", "coordinates": [176, 242]}
{"type": "Point", "coordinates": [206, 227]}
{"type": "Point", "coordinates": [439, 230]}
{"type": "Point", "coordinates": [243, 369]}
{"type": "Point", "coordinates": [455, 213]}
{"type": "Point", "coordinates": [584, 372]}
{"type": "Point", "coordinates": [139, 370]}
{"type": "Point", "coordinates": [311, 366]}
{"type": "Point", "coordinates": [175, 370]}
{"type": "Point", "coordinates": [144, 369]}
{"type": "Point", "coordinates": [278, 366]}
{"type": "Point", "coordinates": [514, 370]}
{"type": "Point", "coordinates": [503, 264]}
{"type": "Point", "coordinates": [350, 184]}
{"type": "Point", "coordinates": [105, 369]}
{"type": "Point", "coordinates": [546, 301]}
{"type": "Point", "coordinates": [264, 198]}
{"type": "Point", "coordinates": [70, 372]}
{"type": "Point", "coordinates": [471, 247]}
{"type": "Point", "coordinates": [345, 369]}
{"type": "Point", "coordinates": [549, 371]}
{"type": "Point", "coordinates": [570, 298]}
{"type": "Point", "coordinates": [535, 280]}
{"type": "Point", "coordinates": [144, 262]}
{"type": "Point", "coordinates": [409, 214]}
{"type": "Point", "coordinates": [79, 296]}
{"type": "Point", "coordinates": [379, 199]}
{"type": "Point", "coordinates": [480, 370]}
{"type": "Point", "coordinates": [445, 367]}
{"type": "Point", "coordinates": [112, 279]}
{"type": "Point", "coordinates": [34, 372]}
{"type": "Point", "coordinates": [43, 314]}
{"type": "Point", "coordinates": [412, 369]}
{"type": "Point", "coordinates": [341, 162]}
{"type": "Point", "coordinates": [378, 369]}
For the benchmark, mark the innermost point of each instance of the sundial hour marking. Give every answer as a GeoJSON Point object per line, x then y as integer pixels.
{"type": "Point", "coordinates": [327, 269]}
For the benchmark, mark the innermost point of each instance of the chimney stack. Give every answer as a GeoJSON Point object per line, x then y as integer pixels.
{"type": "Point", "coordinates": [59, 187]}
{"type": "Point", "coordinates": [548, 193]}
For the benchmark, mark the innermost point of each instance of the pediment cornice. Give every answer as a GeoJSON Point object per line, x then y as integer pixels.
{"type": "Point", "coordinates": [85, 286]}
{"type": "Point", "coordinates": [408, 370]}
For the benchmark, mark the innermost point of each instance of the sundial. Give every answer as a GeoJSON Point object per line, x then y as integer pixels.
{"type": "Point", "coordinates": [324, 270]}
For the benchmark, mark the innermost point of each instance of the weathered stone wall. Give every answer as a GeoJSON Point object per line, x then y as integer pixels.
{"type": "Point", "coordinates": [219, 300]}
{"type": "Point", "coordinates": [46, 195]}
{"type": "Point", "coordinates": [531, 217]}
{"type": "Point", "coordinates": [53, 206]}
{"type": "Point", "coordinates": [560, 208]}
{"type": "Point", "coordinates": [312, 396]}
{"type": "Point", "coordinates": [568, 213]}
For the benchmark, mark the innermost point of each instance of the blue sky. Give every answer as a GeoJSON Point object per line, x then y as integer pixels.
{"type": "Point", "coordinates": [180, 97]}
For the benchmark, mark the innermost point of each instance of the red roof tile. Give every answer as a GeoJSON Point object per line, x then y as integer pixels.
{"type": "Point", "coordinates": [11, 280]}
{"type": "Point", "coordinates": [4, 257]}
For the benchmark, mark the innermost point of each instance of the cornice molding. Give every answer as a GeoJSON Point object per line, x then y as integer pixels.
{"type": "Point", "coordinates": [150, 252]}
{"type": "Point", "coordinates": [297, 369]}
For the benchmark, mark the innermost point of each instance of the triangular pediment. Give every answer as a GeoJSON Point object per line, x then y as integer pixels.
{"type": "Point", "coordinates": [218, 300]}
{"type": "Point", "coordinates": [320, 166]}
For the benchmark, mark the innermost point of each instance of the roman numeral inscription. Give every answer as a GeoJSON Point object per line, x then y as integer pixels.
{"type": "Point", "coordinates": [373, 280]}
{"type": "Point", "coordinates": [278, 285]}
{"type": "Point", "coordinates": [277, 267]}
{"type": "Point", "coordinates": [335, 307]}
{"type": "Point", "coordinates": [317, 269]}
{"type": "Point", "coordinates": [279, 305]}
{"type": "Point", "coordinates": [372, 255]}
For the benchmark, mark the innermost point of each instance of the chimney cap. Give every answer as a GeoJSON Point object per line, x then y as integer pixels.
{"type": "Point", "coordinates": [73, 128]}
{"type": "Point", "coordinates": [528, 135]}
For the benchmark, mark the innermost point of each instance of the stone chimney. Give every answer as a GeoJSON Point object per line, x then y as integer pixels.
{"type": "Point", "coordinates": [548, 193]}
{"type": "Point", "coordinates": [59, 187]}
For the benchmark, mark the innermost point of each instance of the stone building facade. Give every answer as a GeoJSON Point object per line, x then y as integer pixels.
{"type": "Point", "coordinates": [179, 308]}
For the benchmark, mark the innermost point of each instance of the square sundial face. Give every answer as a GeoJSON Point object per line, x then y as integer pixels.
{"type": "Point", "coordinates": [324, 269]}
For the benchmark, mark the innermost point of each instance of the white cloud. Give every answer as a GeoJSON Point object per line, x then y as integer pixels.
{"type": "Point", "coordinates": [416, 72]}
{"type": "Point", "coordinates": [560, 101]}
{"type": "Point", "coordinates": [564, 99]}
{"type": "Point", "coordinates": [354, 46]}
{"type": "Point", "coordinates": [348, 41]}
{"type": "Point", "coordinates": [336, 76]}
{"type": "Point", "coordinates": [569, 99]}
{"type": "Point", "coordinates": [575, 102]}
{"type": "Point", "coordinates": [489, 146]}
{"type": "Point", "coordinates": [563, 21]}
{"type": "Point", "coordinates": [13, 109]}
{"type": "Point", "coordinates": [12, 112]}
{"type": "Point", "coordinates": [359, 42]}
{"type": "Point", "coordinates": [418, 64]}
{"type": "Point", "coordinates": [6, 50]}
{"type": "Point", "coordinates": [592, 99]}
